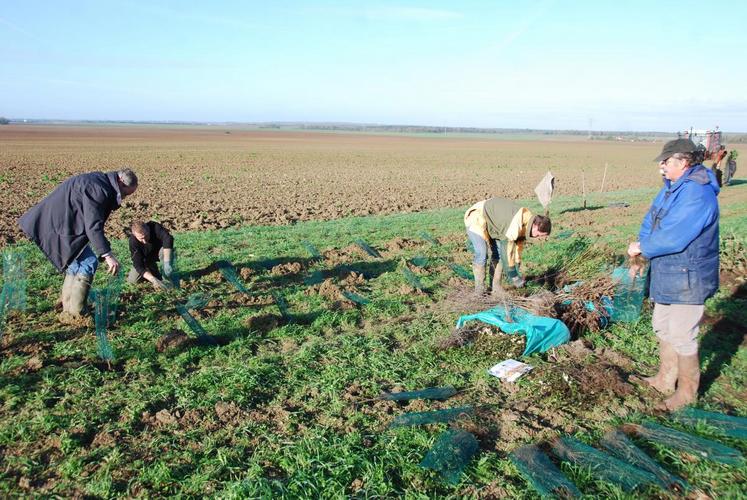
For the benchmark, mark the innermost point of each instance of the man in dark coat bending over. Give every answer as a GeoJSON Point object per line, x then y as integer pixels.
{"type": "Point", "coordinates": [68, 227]}
{"type": "Point", "coordinates": [149, 243]}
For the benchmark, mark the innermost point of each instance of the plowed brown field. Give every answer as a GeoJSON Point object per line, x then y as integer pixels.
{"type": "Point", "coordinates": [196, 178]}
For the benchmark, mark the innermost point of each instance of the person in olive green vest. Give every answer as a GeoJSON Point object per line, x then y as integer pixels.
{"type": "Point", "coordinates": [503, 226]}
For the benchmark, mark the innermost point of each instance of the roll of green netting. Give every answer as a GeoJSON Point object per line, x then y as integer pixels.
{"type": "Point", "coordinates": [411, 278]}
{"type": "Point", "coordinates": [439, 393]}
{"type": "Point", "coordinates": [419, 261]}
{"type": "Point", "coordinates": [727, 424]}
{"type": "Point", "coordinates": [101, 319]}
{"type": "Point", "coordinates": [313, 252]}
{"type": "Point", "coordinates": [460, 271]}
{"type": "Point", "coordinates": [175, 276]}
{"type": "Point", "coordinates": [282, 305]}
{"type": "Point", "coordinates": [694, 445]}
{"type": "Point", "coordinates": [14, 280]}
{"type": "Point", "coordinates": [602, 465]}
{"type": "Point", "coordinates": [354, 297]}
{"type": "Point", "coordinates": [429, 238]}
{"type": "Point", "coordinates": [623, 448]}
{"type": "Point", "coordinates": [195, 326]}
{"type": "Point", "coordinates": [196, 301]}
{"type": "Point", "coordinates": [451, 454]}
{"type": "Point", "coordinates": [229, 272]}
{"type": "Point", "coordinates": [431, 417]}
{"type": "Point", "coordinates": [367, 248]}
{"type": "Point", "coordinates": [112, 293]}
{"type": "Point", "coordinates": [629, 294]}
{"type": "Point", "coordinates": [541, 473]}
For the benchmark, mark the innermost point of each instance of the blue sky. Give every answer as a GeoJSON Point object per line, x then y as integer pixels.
{"type": "Point", "coordinates": [530, 64]}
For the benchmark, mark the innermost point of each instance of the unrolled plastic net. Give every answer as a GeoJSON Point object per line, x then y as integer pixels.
{"type": "Point", "coordinates": [196, 301]}
{"type": "Point", "coordinates": [727, 424]}
{"type": "Point", "coordinates": [542, 474]}
{"type": "Point", "coordinates": [13, 294]}
{"type": "Point", "coordinates": [354, 297]}
{"type": "Point", "coordinates": [368, 248]}
{"type": "Point", "coordinates": [282, 305]}
{"type": "Point", "coordinates": [429, 238]}
{"type": "Point", "coordinates": [440, 393]}
{"type": "Point", "coordinates": [229, 272]}
{"type": "Point", "coordinates": [603, 466]}
{"type": "Point", "coordinates": [101, 320]}
{"type": "Point", "coordinates": [623, 448]}
{"type": "Point", "coordinates": [431, 417]}
{"type": "Point", "coordinates": [682, 441]}
{"type": "Point", "coordinates": [412, 278]}
{"type": "Point", "coordinates": [175, 276]}
{"type": "Point", "coordinates": [419, 261]}
{"type": "Point", "coordinates": [460, 271]}
{"type": "Point", "coordinates": [203, 336]}
{"type": "Point", "coordinates": [313, 252]}
{"type": "Point", "coordinates": [451, 454]}
{"type": "Point", "coordinates": [629, 295]}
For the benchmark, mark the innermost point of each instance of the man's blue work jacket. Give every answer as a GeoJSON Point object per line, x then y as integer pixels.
{"type": "Point", "coordinates": [679, 235]}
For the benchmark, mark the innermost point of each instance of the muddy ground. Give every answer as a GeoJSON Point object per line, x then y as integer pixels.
{"type": "Point", "coordinates": [208, 178]}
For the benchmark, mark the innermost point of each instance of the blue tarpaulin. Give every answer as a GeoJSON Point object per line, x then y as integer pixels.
{"type": "Point", "coordinates": [542, 333]}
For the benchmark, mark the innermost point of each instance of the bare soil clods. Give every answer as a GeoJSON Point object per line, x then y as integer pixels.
{"type": "Point", "coordinates": [227, 180]}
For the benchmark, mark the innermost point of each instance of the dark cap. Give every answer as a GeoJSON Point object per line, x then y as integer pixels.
{"type": "Point", "coordinates": [676, 146]}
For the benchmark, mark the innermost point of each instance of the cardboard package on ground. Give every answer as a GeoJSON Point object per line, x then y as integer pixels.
{"type": "Point", "coordinates": [509, 370]}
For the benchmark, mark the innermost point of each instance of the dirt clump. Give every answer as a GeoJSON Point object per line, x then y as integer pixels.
{"type": "Point", "coordinates": [399, 244]}
{"type": "Point", "coordinates": [172, 340]}
{"type": "Point", "coordinates": [287, 268]}
{"type": "Point", "coordinates": [351, 278]}
{"type": "Point", "coordinates": [229, 412]}
{"type": "Point", "coordinates": [263, 323]}
{"type": "Point", "coordinates": [246, 273]}
{"type": "Point", "coordinates": [34, 363]}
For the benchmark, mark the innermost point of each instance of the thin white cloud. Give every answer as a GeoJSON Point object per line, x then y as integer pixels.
{"type": "Point", "coordinates": [15, 27]}
{"type": "Point", "coordinates": [411, 14]}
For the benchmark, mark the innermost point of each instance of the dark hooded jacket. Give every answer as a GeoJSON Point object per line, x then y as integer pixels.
{"type": "Point", "coordinates": [680, 237]}
{"type": "Point", "coordinates": [72, 216]}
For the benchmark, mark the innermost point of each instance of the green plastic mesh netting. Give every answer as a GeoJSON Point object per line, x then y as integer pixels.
{"type": "Point", "coordinates": [229, 272]}
{"type": "Point", "coordinates": [541, 473]}
{"type": "Point", "coordinates": [13, 293]}
{"type": "Point", "coordinates": [603, 466]}
{"type": "Point", "coordinates": [412, 278]}
{"type": "Point", "coordinates": [440, 393]}
{"type": "Point", "coordinates": [101, 321]}
{"type": "Point", "coordinates": [203, 336]}
{"type": "Point", "coordinates": [629, 295]}
{"type": "Point", "coordinates": [694, 445]}
{"type": "Point", "coordinates": [451, 454]}
{"type": "Point", "coordinates": [431, 417]}
{"type": "Point", "coordinates": [313, 252]}
{"type": "Point", "coordinates": [623, 448]}
{"type": "Point", "coordinates": [460, 271]}
{"type": "Point", "coordinates": [354, 297]}
{"type": "Point", "coordinates": [368, 248]}
{"type": "Point", "coordinates": [731, 426]}
{"type": "Point", "coordinates": [429, 238]}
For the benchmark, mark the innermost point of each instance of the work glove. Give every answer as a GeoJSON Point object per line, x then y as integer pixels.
{"type": "Point", "coordinates": [168, 269]}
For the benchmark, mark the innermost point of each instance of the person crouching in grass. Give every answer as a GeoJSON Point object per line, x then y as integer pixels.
{"type": "Point", "coordinates": [149, 243]}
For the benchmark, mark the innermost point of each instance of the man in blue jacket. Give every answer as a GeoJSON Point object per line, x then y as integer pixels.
{"type": "Point", "coordinates": [69, 222]}
{"type": "Point", "coordinates": [680, 237]}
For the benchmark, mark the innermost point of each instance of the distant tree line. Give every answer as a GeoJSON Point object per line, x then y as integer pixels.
{"type": "Point", "coordinates": [4, 121]}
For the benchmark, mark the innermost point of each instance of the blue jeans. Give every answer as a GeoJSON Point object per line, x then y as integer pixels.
{"type": "Point", "coordinates": [86, 263]}
{"type": "Point", "coordinates": [481, 249]}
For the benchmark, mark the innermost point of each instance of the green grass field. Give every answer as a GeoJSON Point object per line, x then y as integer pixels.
{"type": "Point", "coordinates": [285, 406]}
